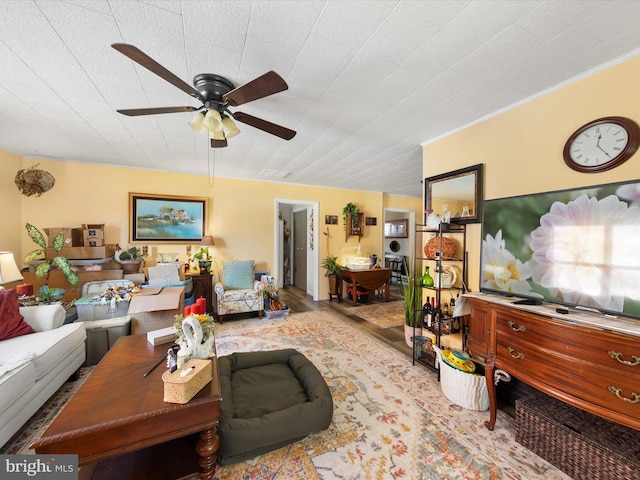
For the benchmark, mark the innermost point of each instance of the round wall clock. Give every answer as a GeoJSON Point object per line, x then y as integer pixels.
{"type": "Point", "coordinates": [602, 144]}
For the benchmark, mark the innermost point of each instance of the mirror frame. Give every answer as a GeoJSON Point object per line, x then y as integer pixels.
{"type": "Point", "coordinates": [476, 172]}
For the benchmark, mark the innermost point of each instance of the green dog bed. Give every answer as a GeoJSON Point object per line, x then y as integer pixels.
{"type": "Point", "coordinates": [269, 399]}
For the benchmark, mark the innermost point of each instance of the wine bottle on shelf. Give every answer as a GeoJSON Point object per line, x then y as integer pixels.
{"type": "Point", "coordinates": [445, 309]}
{"type": "Point", "coordinates": [426, 280]}
{"type": "Point", "coordinates": [430, 314]}
{"type": "Point", "coordinates": [425, 312]}
{"type": "Point", "coordinates": [437, 319]}
{"type": "Point", "coordinates": [455, 323]}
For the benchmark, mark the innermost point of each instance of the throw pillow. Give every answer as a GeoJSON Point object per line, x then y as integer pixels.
{"type": "Point", "coordinates": [12, 324]}
{"type": "Point", "coordinates": [238, 275]}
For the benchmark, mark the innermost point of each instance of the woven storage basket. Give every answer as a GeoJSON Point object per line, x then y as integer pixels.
{"type": "Point", "coordinates": [584, 446]}
{"type": "Point", "coordinates": [179, 389]}
{"type": "Point", "coordinates": [469, 390]}
{"type": "Point", "coordinates": [433, 246]}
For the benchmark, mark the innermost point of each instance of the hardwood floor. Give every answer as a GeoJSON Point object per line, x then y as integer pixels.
{"type": "Point", "coordinates": [299, 301]}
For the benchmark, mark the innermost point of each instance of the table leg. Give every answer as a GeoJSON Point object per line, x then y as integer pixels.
{"type": "Point", "coordinates": [354, 293]}
{"type": "Point", "coordinates": [490, 368]}
{"type": "Point", "coordinates": [206, 449]}
{"type": "Point", "coordinates": [386, 290]}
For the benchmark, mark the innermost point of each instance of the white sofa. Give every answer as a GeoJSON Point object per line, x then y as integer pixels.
{"type": "Point", "coordinates": [34, 366]}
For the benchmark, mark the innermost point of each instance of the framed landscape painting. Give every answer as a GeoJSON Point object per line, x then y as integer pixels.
{"type": "Point", "coordinates": [166, 218]}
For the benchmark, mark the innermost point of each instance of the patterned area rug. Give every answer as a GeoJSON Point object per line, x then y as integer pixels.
{"type": "Point", "coordinates": [21, 441]}
{"type": "Point", "coordinates": [383, 314]}
{"type": "Point", "coordinates": [390, 420]}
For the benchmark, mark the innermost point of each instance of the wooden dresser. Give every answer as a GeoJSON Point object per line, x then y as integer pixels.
{"type": "Point", "coordinates": [203, 288]}
{"type": "Point", "coordinates": [584, 359]}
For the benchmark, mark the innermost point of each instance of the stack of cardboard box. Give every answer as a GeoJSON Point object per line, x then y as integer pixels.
{"type": "Point", "coordinates": [93, 234]}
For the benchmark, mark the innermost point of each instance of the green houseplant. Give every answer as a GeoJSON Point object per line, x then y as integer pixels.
{"type": "Point", "coordinates": [350, 209]}
{"type": "Point", "coordinates": [204, 259]}
{"type": "Point", "coordinates": [130, 259]}
{"type": "Point", "coordinates": [333, 271]}
{"type": "Point", "coordinates": [43, 269]}
{"type": "Point", "coordinates": [412, 298]}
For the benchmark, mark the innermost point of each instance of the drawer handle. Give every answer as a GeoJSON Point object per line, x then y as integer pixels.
{"type": "Point", "coordinates": [516, 327]}
{"type": "Point", "coordinates": [617, 391]}
{"type": "Point", "coordinates": [514, 354]}
{"type": "Point", "coordinates": [617, 355]}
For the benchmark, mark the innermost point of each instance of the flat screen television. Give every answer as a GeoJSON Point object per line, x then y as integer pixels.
{"type": "Point", "coordinates": [577, 247]}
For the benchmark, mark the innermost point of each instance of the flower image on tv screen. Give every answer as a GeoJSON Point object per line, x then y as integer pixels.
{"type": "Point", "coordinates": [578, 247]}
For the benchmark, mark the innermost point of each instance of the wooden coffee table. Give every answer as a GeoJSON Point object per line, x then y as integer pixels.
{"type": "Point", "coordinates": [120, 427]}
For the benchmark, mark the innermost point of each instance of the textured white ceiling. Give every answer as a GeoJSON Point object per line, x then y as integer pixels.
{"type": "Point", "coordinates": [369, 81]}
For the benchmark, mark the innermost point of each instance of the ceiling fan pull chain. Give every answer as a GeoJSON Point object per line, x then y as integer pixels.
{"type": "Point", "coordinates": [211, 164]}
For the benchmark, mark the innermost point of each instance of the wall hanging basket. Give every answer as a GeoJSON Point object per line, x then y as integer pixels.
{"type": "Point", "coordinates": [32, 181]}
{"type": "Point", "coordinates": [448, 247]}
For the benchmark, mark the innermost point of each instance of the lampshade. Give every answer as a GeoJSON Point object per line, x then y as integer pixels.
{"type": "Point", "coordinates": [207, 240]}
{"type": "Point", "coordinates": [212, 121]}
{"type": "Point", "coordinates": [216, 135]}
{"type": "Point", "coordinates": [197, 124]}
{"type": "Point", "coordinates": [9, 271]}
{"type": "Point", "coordinates": [230, 128]}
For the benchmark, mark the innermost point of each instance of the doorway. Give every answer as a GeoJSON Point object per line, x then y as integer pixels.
{"type": "Point", "coordinates": [303, 232]}
{"type": "Point", "coordinates": [299, 263]}
{"type": "Point", "coordinates": [400, 248]}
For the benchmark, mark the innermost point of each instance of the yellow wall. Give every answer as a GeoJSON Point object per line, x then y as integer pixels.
{"type": "Point", "coordinates": [241, 212]}
{"type": "Point", "coordinates": [521, 149]}
{"type": "Point", "coordinates": [10, 199]}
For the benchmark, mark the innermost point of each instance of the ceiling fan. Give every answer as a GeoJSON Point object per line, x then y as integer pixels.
{"type": "Point", "coordinates": [216, 94]}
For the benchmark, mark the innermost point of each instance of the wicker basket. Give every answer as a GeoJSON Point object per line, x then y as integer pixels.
{"type": "Point", "coordinates": [584, 446]}
{"type": "Point", "coordinates": [469, 390]}
{"type": "Point", "coordinates": [433, 246]}
{"type": "Point", "coordinates": [180, 387]}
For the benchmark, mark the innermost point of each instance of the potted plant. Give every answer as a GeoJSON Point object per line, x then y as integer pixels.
{"type": "Point", "coordinates": [43, 269]}
{"type": "Point", "coordinates": [412, 298]}
{"type": "Point", "coordinates": [203, 258]}
{"type": "Point", "coordinates": [130, 259]}
{"type": "Point", "coordinates": [333, 271]}
{"type": "Point", "coordinates": [350, 209]}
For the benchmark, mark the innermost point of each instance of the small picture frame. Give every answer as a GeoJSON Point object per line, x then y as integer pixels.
{"type": "Point", "coordinates": [371, 221]}
{"type": "Point", "coordinates": [331, 219]}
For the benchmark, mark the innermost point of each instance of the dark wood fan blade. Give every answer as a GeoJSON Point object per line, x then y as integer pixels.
{"type": "Point", "coordinates": [263, 125]}
{"type": "Point", "coordinates": [149, 63]}
{"type": "Point", "coordinates": [134, 112]}
{"type": "Point", "coordinates": [218, 143]}
{"type": "Point", "coordinates": [263, 86]}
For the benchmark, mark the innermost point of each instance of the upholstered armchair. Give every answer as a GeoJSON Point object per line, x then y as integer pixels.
{"type": "Point", "coordinates": [238, 291]}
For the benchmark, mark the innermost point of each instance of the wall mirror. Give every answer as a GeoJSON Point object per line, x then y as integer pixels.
{"type": "Point", "coordinates": [459, 192]}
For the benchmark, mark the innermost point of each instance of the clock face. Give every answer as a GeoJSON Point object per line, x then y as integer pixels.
{"type": "Point", "coordinates": [601, 145]}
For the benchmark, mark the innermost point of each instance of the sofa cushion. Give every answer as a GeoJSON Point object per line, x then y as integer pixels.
{"type": "Point", "coordinates": [14, 383]}
{"type": "Point", "coordinates": [240, 295]}
{"type": "Point", "coordinates": [49, 347]}
{"type": "Point", "coordinates": [12, 324]}
{"type": "Point", "coordinates": [238, 275]}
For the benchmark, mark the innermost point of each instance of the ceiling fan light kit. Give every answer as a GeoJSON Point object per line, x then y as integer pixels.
{"type": "Point", "coordinates": [197, 123]}
{"type": "Point", "coordinates": [216, 94]}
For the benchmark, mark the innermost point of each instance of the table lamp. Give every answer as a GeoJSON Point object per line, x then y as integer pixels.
{"type": "Point", "coordinates": [207, 240]}
{"type": "Point", "coordinates": [9, 271]}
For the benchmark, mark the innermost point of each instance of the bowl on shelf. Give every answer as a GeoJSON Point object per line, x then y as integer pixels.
{"type": "Point", "coordinates": [439, 243]}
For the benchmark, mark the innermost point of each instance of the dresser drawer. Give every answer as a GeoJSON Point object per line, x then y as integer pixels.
{"type": "Point", "coordinates": [617, 351]}
{"type": "Point", "coordinates": [602, 387]}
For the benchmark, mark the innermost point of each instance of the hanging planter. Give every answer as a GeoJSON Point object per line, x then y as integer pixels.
{"type": "Point", "coordinates": [32, 181]}
{"type": "Point", "coordinates": [350, 209]}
